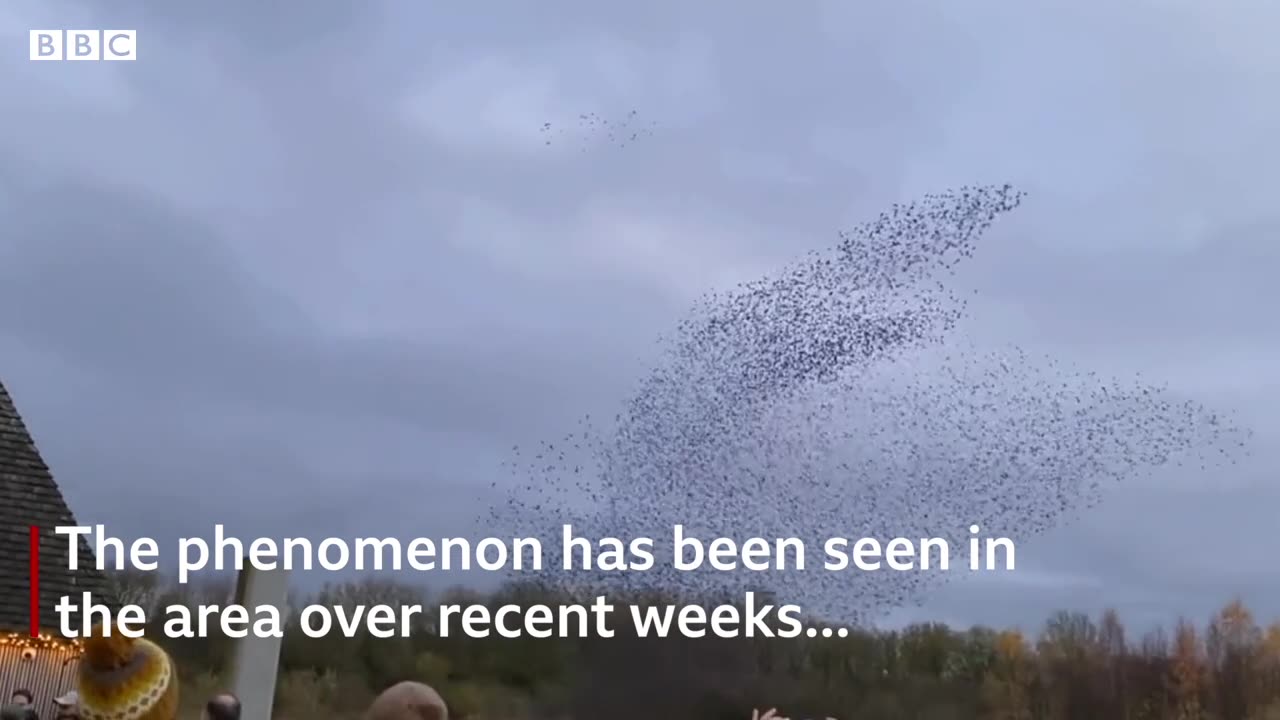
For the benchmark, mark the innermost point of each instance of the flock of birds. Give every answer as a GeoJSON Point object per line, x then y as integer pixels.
{"type": "Point", "coordinates": [837, 398]}
{"type": "Point", "coordinates": [591, 128]}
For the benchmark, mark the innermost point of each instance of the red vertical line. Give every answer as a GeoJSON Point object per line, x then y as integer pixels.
{"type": "Point", "coordinates": [34, 602]}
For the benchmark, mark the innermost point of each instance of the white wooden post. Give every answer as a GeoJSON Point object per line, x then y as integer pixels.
{"type": "Point", "coordinates": [254, 660]}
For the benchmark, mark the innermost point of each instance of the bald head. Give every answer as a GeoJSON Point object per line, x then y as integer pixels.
{"type": "Point", "coordinates": [223, 706]}
{"type": "Point", "coordinates": [408, 701]}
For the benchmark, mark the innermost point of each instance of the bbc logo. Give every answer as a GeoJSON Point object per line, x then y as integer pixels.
{"type": "Point", "coordinates": [84, 44]}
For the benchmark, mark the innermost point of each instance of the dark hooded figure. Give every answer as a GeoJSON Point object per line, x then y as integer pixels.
{"type": "Point", "coordinates": [408, 701]}
{"type": "Point", "coordinates": [19, 707]}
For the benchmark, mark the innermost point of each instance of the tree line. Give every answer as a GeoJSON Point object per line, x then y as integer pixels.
{"type": "Point", "coordinates": [1075, 667]}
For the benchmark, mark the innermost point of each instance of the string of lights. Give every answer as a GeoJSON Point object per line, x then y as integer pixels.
{"type": "Point", "coordinates": [24, 641]}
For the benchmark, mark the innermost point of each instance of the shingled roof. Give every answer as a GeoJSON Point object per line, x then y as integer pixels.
{"type": "Point", "coordinates": [29, 496]}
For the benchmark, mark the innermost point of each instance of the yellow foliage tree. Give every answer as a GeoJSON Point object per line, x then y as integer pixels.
{"type": "Point", "coordinates": [1187, 673]}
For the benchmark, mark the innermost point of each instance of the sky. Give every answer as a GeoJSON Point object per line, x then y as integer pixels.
{"type": "Point", "coordinates": [315, 270]}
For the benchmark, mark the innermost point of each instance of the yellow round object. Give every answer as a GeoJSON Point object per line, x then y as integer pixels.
{"type": "Point", "coordinates": [127, 679]}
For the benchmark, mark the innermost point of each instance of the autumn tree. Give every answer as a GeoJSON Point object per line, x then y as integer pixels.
{"type": "Point", "coordinates": [1069, 653]}
{"type": "Point", "coordinates": [1006, 688]}
{"type": "Point", "coordinates": [1187, 674]}
{"type": "Point", "coordinates": [1232, 644]}
{"type": "Point", "coordinates": [1113, 652]}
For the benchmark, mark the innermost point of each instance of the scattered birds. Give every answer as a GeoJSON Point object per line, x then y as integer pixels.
{"type": "Point", "coordinates": [836, 398]}
{"type": "Point", "coordinates": [591, 129]}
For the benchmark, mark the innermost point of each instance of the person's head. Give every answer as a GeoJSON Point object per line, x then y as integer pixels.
{"type": "Point", "coordinates": [22, 697]}
{"type": "Point", "coordinates": [223, 706]}
{"type": "Point", "coordinates": [67, 704]}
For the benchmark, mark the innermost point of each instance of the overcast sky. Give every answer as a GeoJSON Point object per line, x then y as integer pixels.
{"type": "Point", "coordinates": [317, 270]}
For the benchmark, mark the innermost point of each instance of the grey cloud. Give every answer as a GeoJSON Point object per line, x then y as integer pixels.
{"type": "Point", "coordinates": [1220, 289]}
{"type": "Point", "coordinates": [148, 297]}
